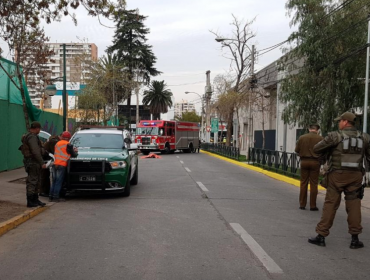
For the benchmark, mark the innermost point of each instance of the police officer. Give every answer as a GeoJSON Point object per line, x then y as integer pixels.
{"type": "Point", "coordinates": [32, 151]}
{"type": "Point", "coordinates": [310, 166]}
{"type": "Point", "coordinates": [346, 150]}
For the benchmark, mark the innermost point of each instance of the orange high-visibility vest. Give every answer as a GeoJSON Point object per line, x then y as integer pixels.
{"type": "Point", "coordinates": [60, 153]}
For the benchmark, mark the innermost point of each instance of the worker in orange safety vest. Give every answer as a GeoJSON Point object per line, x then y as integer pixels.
{"type": "Point", "coordinates": [63, 151]}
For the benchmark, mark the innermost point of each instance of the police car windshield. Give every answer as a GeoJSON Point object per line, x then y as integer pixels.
{"type": "Point", "coordinates": [147, 131]}
{"type": "Point", "coordinates": [98, 140]}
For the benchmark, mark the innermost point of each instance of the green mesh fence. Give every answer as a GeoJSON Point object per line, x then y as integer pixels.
{"type": "Point", "coordinates": [12, 120]}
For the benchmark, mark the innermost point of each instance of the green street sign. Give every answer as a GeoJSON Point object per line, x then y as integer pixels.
{"type": "Point", "coordinates": [214, 125]}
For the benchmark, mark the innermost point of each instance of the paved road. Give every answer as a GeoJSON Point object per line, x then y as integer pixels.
{"type": "Point", "coordinates": [192, 216]}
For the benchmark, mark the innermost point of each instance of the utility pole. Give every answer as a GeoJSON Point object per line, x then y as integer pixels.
{"type": "Point", "coordinates": [366, 102]}
{"type": "Point", "coordinates": [250, 128]}
{"type": "Point", "coordinates": [208, 95]}
{"type": "Point", "coordinates": [64, 94]}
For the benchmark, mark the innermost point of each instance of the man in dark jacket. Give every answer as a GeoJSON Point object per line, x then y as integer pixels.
{"type": "Point", "coordinates": [32, 151]}
{"type": "Point", "coordinates": [45, 173]}
{"type": "Point", "coordinates": [347, 149]}
{"type": "Point", "coordinates": [310, 166]}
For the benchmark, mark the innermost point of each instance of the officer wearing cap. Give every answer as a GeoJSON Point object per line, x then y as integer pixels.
{"type": "Point", "coordinates": [310, 166]}
{"type": "Point", "coordinates": [32, 151]}
{"type": "Point", "coordinates": [346, 150]}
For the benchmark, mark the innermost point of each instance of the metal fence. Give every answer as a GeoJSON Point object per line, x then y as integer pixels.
{"type": "Point", "coordinates": [221, 149]}
{"type": "Point", "coordinates": [277, 161]}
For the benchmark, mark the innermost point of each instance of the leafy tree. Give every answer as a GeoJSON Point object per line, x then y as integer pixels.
{"type": "Point", "coordinates": [158, 98]}
{"type": "Point", "coordinates": [90, 104]}
{"type": "Point", "coordinates": [108, 84]}
{"type": "Point", "coordinates": [224, 103]}
{"type": "Point", "coordinates": [190, 116]}
{"type": "Point", "coordinates": [20, 29]}
{"type": "Point", "coordinates": [131, 48]}
{"type": "Point", "coordinates": [324, 61]}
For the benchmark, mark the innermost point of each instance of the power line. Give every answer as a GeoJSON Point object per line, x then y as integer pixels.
{"type": "Point", "coordinates": [186, 84]}
{"type": "Point", "coordinates": [335, 62]}
{"type": "Point", "coordinates": [342, 6]}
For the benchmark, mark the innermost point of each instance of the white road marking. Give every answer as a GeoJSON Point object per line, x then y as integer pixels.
{"type": "Point", "coordinates": [202, 187]}
{"type": "Point", "coordinates": [181, 162]}
{"type": "Point", "coordinates": [265, 259]}
{"type": "Point", "coordinates": [187, 169]}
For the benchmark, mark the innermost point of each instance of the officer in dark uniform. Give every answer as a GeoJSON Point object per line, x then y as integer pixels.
{"type": "Point", "coordinates": [346, 150]}
{"type": "Point", "coordinates": [310, 166]}
{"type": "Point", "coordinates": [32, 151]}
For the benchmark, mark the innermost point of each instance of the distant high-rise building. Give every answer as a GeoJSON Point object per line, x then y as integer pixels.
{"type": "Point", "coordinates": [183, 106]}
{"type": "Point", "coordinates": [78, 56]}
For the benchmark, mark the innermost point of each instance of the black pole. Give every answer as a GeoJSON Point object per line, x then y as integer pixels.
{"type": "Point", "coordinates": [64, 94]}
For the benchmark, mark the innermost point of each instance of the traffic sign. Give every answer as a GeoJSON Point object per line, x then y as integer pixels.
{"type": "Point", "coordinates": [214, 125]}
{"type": "Point", "coordinates": [208, 128]}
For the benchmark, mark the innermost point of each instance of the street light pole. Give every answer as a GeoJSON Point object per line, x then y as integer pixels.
{"type": "Point", "coordinates": [366, 102]}
{"type": "Point", "coordinates": [202, 113]}
{"type": "Point", "coordinates": [64, 93]}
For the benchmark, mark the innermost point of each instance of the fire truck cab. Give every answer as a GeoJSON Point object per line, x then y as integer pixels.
{"type": "Point", "coordinates": [167, 136]}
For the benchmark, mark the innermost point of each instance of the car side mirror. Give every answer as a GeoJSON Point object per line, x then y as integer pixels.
{"type": "Point", "coordinates": [127, 140]}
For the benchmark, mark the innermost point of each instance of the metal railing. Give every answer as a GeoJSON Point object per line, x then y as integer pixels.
{"type": "Point", "coordinates": [221, 149]}
{"type": "Point", "coordinates": [277, 161]}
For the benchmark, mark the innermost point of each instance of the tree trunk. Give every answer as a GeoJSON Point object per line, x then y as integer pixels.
{"type": "Point", "coordinates": [21, 88]}
{"type": "Point", "coordinates": [229, 127]}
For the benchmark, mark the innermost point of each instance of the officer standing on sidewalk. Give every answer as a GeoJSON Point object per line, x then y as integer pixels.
{"type": "Point", "coordinates": [346, 149]}
{"type": "Point", "coordinates": [310, 166]}
{"type": "Point", "coordinates": [32, 151]}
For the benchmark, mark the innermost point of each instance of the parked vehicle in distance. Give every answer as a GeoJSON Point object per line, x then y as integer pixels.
{"type": "Point", "coordinates": [105, 163]}
{"type": "Point", "coordinates": [167, 136]}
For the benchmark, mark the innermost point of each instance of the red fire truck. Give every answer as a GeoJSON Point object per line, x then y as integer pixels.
{"type": "Point", "coordinates": [167, 136]}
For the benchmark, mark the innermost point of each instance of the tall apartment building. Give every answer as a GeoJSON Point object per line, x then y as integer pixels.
{"type": "Point", "coordinates": [183, 106]}
{"type": "Point", "coordinates": [77, 57]}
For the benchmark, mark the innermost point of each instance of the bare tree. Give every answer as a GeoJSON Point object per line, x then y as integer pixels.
{"type": "Point", "coordinates": [240, 56]}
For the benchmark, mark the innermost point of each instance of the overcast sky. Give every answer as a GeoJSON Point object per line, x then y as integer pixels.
{"type": "Point", "coordinates": [179, 34]}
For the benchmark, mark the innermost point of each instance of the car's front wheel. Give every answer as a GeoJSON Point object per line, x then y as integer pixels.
{"type": "Point", "coordinates": [127, 190]}
{"type": "Point", "coordinates": [135, 179]}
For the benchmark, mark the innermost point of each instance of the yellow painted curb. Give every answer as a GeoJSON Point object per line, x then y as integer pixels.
{"type": "Point", "coordinates": [271, 174]}
{"type": "Point", "coordinates": [20, 219]}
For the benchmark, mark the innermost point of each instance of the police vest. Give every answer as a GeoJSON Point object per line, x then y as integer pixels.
{"type": "Point", "coordinates": [25, 148]}
{"type": "Point", "coordinates": [349, 152]}
{"type": "Point", "coordinates": [60, 153]}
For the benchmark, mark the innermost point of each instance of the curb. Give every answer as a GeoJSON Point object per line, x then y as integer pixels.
{"type": "Point", "coordinates": [20, 219]}
{"type": "Point", "coordinates": [273, 175]}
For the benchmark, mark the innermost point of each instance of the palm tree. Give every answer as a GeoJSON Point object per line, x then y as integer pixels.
{"type": "Point", "coordinates": [158, 98]}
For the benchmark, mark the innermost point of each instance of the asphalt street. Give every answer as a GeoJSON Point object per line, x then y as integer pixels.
{"type": "Point", "coordinates": [192, 216]}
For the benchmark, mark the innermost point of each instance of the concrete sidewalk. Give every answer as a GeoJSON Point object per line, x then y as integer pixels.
{"type": "Point", "coordinates": [13, 210]}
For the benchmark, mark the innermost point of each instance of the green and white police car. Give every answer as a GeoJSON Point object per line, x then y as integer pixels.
{"type": "Point", "coordinates": [105, 163]}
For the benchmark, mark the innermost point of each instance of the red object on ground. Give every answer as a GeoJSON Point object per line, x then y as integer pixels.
{"type": "Point", "coordinates": [151, 155]}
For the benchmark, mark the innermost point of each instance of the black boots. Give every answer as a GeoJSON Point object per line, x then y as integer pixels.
{"type": "Point", "coordinates": [355, 243]}
{"type": "Point", "coordinates": [39, 203]}
{"type": "Point", "coordinates": [319, 240]}
{"type": "Point", "coordinates": [31, 201]}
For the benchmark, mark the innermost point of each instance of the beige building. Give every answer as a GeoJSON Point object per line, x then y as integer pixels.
{"type": "Point", "coordinates": [78, 56]}
{"type": "Point", "coordinates": [183, 106]}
